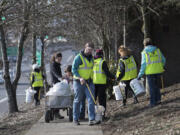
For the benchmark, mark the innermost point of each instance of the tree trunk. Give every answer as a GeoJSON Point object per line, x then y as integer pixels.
{"type": "Point", "coordinates": [106, 47]}
{"type": "Point", "coordinates": [146, 20]}
{"type": "Point", "coordinates": [11, 92]}
{"type": "Point", "coordinates": [46, 86]}
{"type": "Point", "coordinates": [23, 37]}
{"type": "Point", "coordinates": [146, 29]}
{"type": "Point", "coordinates": [34, 47]}
{"type": "Point", "coordinates": [11, 87]}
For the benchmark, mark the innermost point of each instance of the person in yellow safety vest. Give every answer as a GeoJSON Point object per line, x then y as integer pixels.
{"type": "Point", "coordinates": [36, 82]}
{"type": "Point", "coordinates": [127, 70]}
{"type": "Point", "coordinates": [152, 65]}
{"type": "Point", "coordinates": [100, 74]}
{"type": "Point", "coordinates": [82, 69]}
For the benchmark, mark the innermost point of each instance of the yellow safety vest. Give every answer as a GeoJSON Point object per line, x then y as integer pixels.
{"type": "Point", "coordinates": [85, 70]}
{"type": "Point", "coordinates": [99, 76]}
{"type": "Point", "coordinates": [154, 63]}
{"type": "Point", "coordinates": [38, 79]}
{"type": "Point", "coordinates": [130, 69]}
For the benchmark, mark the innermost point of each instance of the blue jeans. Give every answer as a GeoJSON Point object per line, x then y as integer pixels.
{"type": "Point", "coordinates": [83, 107]}
{"type": "Point", "coordinates": [155, 95]}
{"type": "Point", "coordinates": [79, 91]}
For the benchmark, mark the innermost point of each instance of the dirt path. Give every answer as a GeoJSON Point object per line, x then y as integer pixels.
{"type": "Point", "coordinates": [19, 123]}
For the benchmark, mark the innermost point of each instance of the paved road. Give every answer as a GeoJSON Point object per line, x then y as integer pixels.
{"type": "Point", "coordinates": [22, 86]}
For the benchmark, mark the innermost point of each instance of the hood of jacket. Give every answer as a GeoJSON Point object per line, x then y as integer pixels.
{"type": "Point", "coordinates": [150, 48]}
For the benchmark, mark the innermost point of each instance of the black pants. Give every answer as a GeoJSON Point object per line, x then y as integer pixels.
{"type": "Point", "coordinates": [127, 90]}
{"type": "Point", "coordinates": [100, 92]}
{"type": "Point", "coordinates": [37, 94]}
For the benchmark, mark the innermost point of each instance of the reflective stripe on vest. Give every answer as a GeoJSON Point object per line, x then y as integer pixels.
{"type": "Point", "coordinates": [99, 76]}
{"type": "Point", "coordinates": [85, 70]}
{"type": "Point", "coordinates": [154, 62]}
{"type": "Point", "coordinates": [38, 80]}
{"type": "Point", "coordinates": [130, 69]}
{"type": "Point", "coordinates": [85, 63]}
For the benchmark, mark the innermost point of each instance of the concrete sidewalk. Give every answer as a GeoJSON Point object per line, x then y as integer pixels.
{"type": "Point", "coordinates": [63, 127]}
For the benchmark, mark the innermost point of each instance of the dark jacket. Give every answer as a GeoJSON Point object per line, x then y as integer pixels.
{"type": "Point", "coordinates": [55, 72]}
{"type": "Point", "coordinates": [106, 70]}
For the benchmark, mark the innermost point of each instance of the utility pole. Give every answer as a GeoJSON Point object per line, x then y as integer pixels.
{"type": "Point", "coordinates": [124, 26]}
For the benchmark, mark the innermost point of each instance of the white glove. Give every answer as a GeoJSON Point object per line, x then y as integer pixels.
{"type": "Point", "coordinates": [82, 81]}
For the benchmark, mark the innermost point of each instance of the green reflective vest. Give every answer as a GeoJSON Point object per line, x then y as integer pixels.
{"type": "Point", "coordinates": [38, 79]}
{"type": "Point", "coordinates": [130, 69]}
{"type": "Point", "coordinates": [154, 63]}
{"type": "Point", "coordinates": [85, 70]}
{"type": "Point", "coordinates": [99, 76]}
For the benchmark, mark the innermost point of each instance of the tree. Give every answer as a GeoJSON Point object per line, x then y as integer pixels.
{"type": "Point", "coordinates": [9, 10]}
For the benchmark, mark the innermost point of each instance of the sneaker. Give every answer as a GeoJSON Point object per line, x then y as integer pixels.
{"type": "Point", "coordinates": [92, 122]}
{"type": "Point", "coordinates": [76, 122]}
{"type": "Point", "coordinates": [58, 116]}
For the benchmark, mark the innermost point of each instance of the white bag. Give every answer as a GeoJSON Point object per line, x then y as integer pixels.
{"type": "Point", "coordinates": [137, 86]}
{"type": "Point", "coordinates": [30, 95]}
{"type": "Point", "coordinates": [117, 90]}
{"type": "Point", "coordinates": [99, 110]}
{"type": "Point", "coordinates": [60, 89]}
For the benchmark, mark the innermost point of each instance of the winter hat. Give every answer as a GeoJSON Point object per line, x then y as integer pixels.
{"type": "Point", "coordinates": [99, 52]}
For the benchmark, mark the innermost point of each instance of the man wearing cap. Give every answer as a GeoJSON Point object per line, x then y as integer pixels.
{"type": "Point", "coordinates": [82, 69]}
{"type": "Point", "coordinates": [36, 82]}
{"type": "Point", "coordinates": [100, 75]}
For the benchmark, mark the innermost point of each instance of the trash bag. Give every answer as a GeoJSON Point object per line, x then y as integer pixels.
{"type": "Point", "coordinates": [118, 89]}
{"type": "Point", "coordinates": [99, 111]}
{"type": "Point", "coordinates": [60, 89]}
{"type": "Point", "coordinates": [137, 86]}
{"type": "Point", "coordinates": [30, 95]}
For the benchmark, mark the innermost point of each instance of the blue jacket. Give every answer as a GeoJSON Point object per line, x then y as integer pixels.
{"type": "Point", "coordinates": [149, 48]}
{"type": "Point", "coordinates": [77, 62]}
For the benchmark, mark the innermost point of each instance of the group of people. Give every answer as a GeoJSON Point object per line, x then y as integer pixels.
{"type": "Point", "coordinates": [89, 75]}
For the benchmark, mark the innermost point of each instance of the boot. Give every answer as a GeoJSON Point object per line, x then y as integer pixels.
{"type": "Point", "coordinates": [124, 102]}
{"type": "Point", "coordinates": [36, 103]}
{"type": "Point", "coordinates": [136, 100]}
